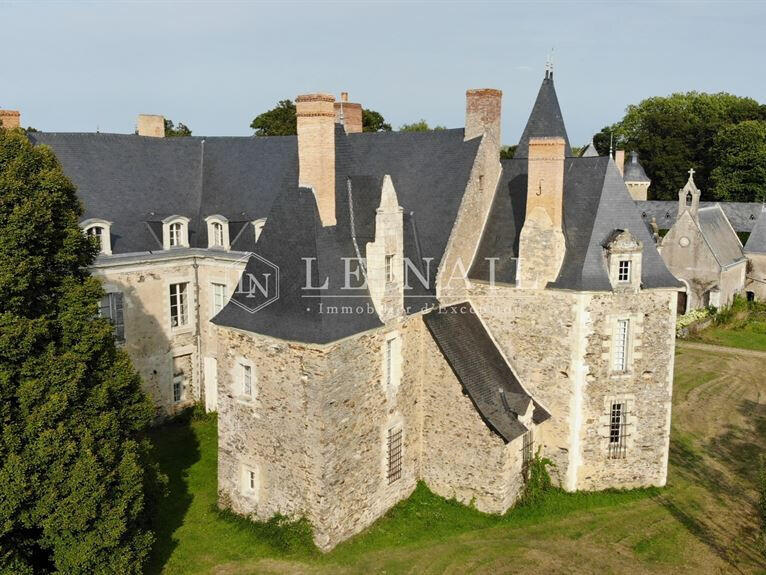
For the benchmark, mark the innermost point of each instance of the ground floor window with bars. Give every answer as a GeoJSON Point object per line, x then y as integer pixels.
{"type": "Point", "coordinates": [618, 430]}
{"type": "Point", "coordinates": [394, 459]}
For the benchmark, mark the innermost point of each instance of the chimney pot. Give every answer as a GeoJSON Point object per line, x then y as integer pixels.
{"type": "Point", "coordinates": [316, 150]}
{"type": "Point", "coordinates": [344, 96]}
{"type": "Point", "coordinates": [10, 119]}
{"type": "Point", "coordinates": [151, 125]}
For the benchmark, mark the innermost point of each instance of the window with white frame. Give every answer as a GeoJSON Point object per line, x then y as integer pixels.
{"type": "Point", "coordinates": [176, 231]}
{"type": "Point", "coordinates": [179, 304]}
{"type": "Point", "coordinates": [621, 342]}
{"type": "Point", "coordinates": [623, 271]}
{"type": "Point", "coordinates": [217, 232]}
{"type": "Point", "coordinates": [178, 388]}
{"type": "Point", "coordinates": [111, 308]}
{"type": "Point", "coordinates": [246, 379]}
{"type": "Point", "coordinates": [100, 229]}
{"type": "Point", "coordinates": [394, 455]}
{"type": "Point", "coordinates": [219, 297]}
{"type": "Point", "coordinates": [389, 268]}
{"type": "Point", "coordinates": [618, 430]}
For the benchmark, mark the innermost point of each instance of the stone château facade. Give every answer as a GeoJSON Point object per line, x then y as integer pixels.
{"type": "Point", "coordinates": [439, 314]}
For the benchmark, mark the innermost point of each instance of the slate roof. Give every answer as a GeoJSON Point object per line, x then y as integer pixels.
{"type": "Point", "coordinates": [545, 120]}
{"type": "Point", "coordinates": [589, 151]}
{"type": "Point", "coordinates": [481, 369]}
{"type": "Point", "coordinates": [633, 171]}
{"type": "Point", "coordinates": [741, 215]}
{"type": "Point", "coordinates": [135, 182]}
{"type": "Point", "coordinates": [719, 235]}
{"type": "Point", "coordinates": [429, 172]}
{"type": "Point", "coordinates": [756, 243]}
{"type": "Point", "coordinates": [596, 202]}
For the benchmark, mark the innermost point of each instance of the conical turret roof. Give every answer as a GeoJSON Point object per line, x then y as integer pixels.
{"type": "Point", "coordinates": [545, 121]}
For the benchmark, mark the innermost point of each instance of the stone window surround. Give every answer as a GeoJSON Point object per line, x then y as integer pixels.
{"type": "Point", "coordinates": [239, 392]}
{"type": "Point", "coordinates": [213, 283]}
{"type": "Point", "coordinates": [392, 341]}
{"type": "Point", "coordinates": [245, 489]}
{"type": "Point", "coordinates": [258, 228]}
{"type": "Point", "coordinates": [629, 400]}
{"type": "Point", "coordinates": [119, 339]}
{"type": "Point", "coordinates": [224, 223]}
{"type": "Point", "coordinates": [190, 302]}
{"type": "Point", "coordinates": [634, 329]}
{"type": "Point", "coordinates": [106, 234]}
{"type": "Point", "coordinates": [187, 394]}
{"type": "Point", "coordinates": [183, 241]}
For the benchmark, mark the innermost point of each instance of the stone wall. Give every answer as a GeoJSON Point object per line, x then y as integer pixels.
{"type": "Point", "coordinates": [462, 457]}
{"type": "Point", "coordinates": [732, 282]}
{"type": "Point", "coordinates": [756, 275]}
{"type": "Point", "coordinates": [646, 386]}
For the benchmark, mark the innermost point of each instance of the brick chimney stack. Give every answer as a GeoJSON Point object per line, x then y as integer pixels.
{"type": "Point", "coordinates": [542, 245]}
{"type": "Point", "coordinates": [619, 160]}
{"type": "Point", "coordinates": [151, 125]}
{"type": "Point", "coordinates": [349, 114]}
{"type": "Point", "coordinates": [10, 119]}
{"type": "Point", "coordinates": [316, 150]}
{"type": "Point", "coordinates": [482, 114]}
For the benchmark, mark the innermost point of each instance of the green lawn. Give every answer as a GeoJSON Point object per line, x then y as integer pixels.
{"type": "Point", "coordinates": [703, 522]}
{"type": "Point", "coordinates": [750, 336]}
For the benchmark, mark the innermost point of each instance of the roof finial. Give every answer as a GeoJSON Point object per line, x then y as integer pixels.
{"type": "Point", "coordinates": [691, 173]}
{"type": "Point", "coordinates": [611, 143]}
{"type": "Point", "coordinates": [549, 65]}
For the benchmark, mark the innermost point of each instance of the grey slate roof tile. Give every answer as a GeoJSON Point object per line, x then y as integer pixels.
{"type": "Point", "coordinates": [634, 171]}
{"type": "Point", "coordinates": [719, 235]}
{"type": "Point", "coordinates": [545, 120]}
{"type": "Point", "coordinates": [481, 369]}
{"type": "Point", "coordinates": [741, 215]}
{"type": "Point", "coordinates": [756, 243]}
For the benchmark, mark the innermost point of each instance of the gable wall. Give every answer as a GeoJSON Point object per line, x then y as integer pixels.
{"type": "Point", "coordinates": [756, 277]}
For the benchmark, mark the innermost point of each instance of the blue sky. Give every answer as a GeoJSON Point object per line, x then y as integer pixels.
{"type": "Point", "coordinates": [214, 66]}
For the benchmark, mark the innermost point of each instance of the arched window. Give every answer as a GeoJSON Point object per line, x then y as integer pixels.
{"type": "Point", "coordinates": [175, 232]}
{"type": "Point", "coordinates": [95, 228]}
{"type": "Point", "coordinates": [218, 232]}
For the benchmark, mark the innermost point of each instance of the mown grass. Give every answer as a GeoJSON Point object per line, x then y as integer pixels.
{"type": "Point", "coordinates": [742, 325]}
{"type": "Point", "coordinates": [704, 521]}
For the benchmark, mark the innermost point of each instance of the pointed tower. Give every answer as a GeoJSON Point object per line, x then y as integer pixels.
{"type": "Point", "coordinates": [635, 178]}
{"type": "Point", "coordinates": [689, 197]}
{"type": "Point", "coordinates": [589, 151]}
{"type": "Point", "coordinates": [546, 120]}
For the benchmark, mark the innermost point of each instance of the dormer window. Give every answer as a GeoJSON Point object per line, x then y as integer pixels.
{"type": "Point", "coordinates": [175, 232]}
{"type": "Point", "coordinates": [101, 229]}
{"type": "Point", "coordinates": [218, 232]}
{"type": "Point", "coordinates": [258, 227]}
{"type": "Point", "coordinates": [623, 260]}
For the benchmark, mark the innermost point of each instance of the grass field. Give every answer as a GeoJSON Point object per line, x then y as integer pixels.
{"type": "Point", "coordinates": [743, 325]}
{"type": "Point", "coordinates": [704, 521]}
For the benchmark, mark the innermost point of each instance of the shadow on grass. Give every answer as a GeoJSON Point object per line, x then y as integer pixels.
{"type": "Point", "coordinates": [176, 448]}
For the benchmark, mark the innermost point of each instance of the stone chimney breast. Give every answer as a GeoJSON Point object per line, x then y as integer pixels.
{"type": "Point", "coordinates": [619, 160]}
{"type": "Point", "coordinates": [10, 119]}
{"type": "Point", "coordinates": [482, 113]}
{"type": "Point", "coordinates": [151, 125]}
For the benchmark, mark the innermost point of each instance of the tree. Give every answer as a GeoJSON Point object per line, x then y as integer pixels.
{"type": "Point", "coordinates": [373, 121]}
{"type": "Point", "coordinates": [419, 126]}
{"type": "Point", "coordinates": [76, 482]}
{"type": "Point", "coordinates": [279, 121]}
{"type": "Point", "coordinates": [677, 132]}
{"type": "Point", "coordinates": [507, 152]}
{"type": "Point", "coordinates": [172, 131]}
{"type": "Point", "coordinates": [739, 154]}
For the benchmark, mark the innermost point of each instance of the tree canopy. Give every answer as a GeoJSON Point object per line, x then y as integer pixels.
{"type": "Point", "coordinates": [740, 162]}
{"type": "Point", "coordinates": [76, 482]}
{"type": "Point", "coordinates": [281, 120]}
{"type": "Point", "coordinates": [172, 130]}
{"type": "Point", "coordinates": [419, 126]}
{"type": "Point", "coordinates": [678, 132]}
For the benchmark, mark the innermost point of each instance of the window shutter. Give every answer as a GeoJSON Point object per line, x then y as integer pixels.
{"type": "Point", "coordinates": [119, 322]}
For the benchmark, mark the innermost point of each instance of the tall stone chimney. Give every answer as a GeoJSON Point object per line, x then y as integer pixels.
{"type": "Point", "coordinates": [349, 114]}
{"type": "Point", "coordinates": [482, 114]}
{"type": "Point", "coordinates": [10, 119]}
{"type": "Point", "coordinates": [542, 245]}
{"type": "Point", "coordinates": [151, 125]}
{"type": "Point", "coordinates": [316, 150]}
{"type": "Point", "coordinates": [619, 160]}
